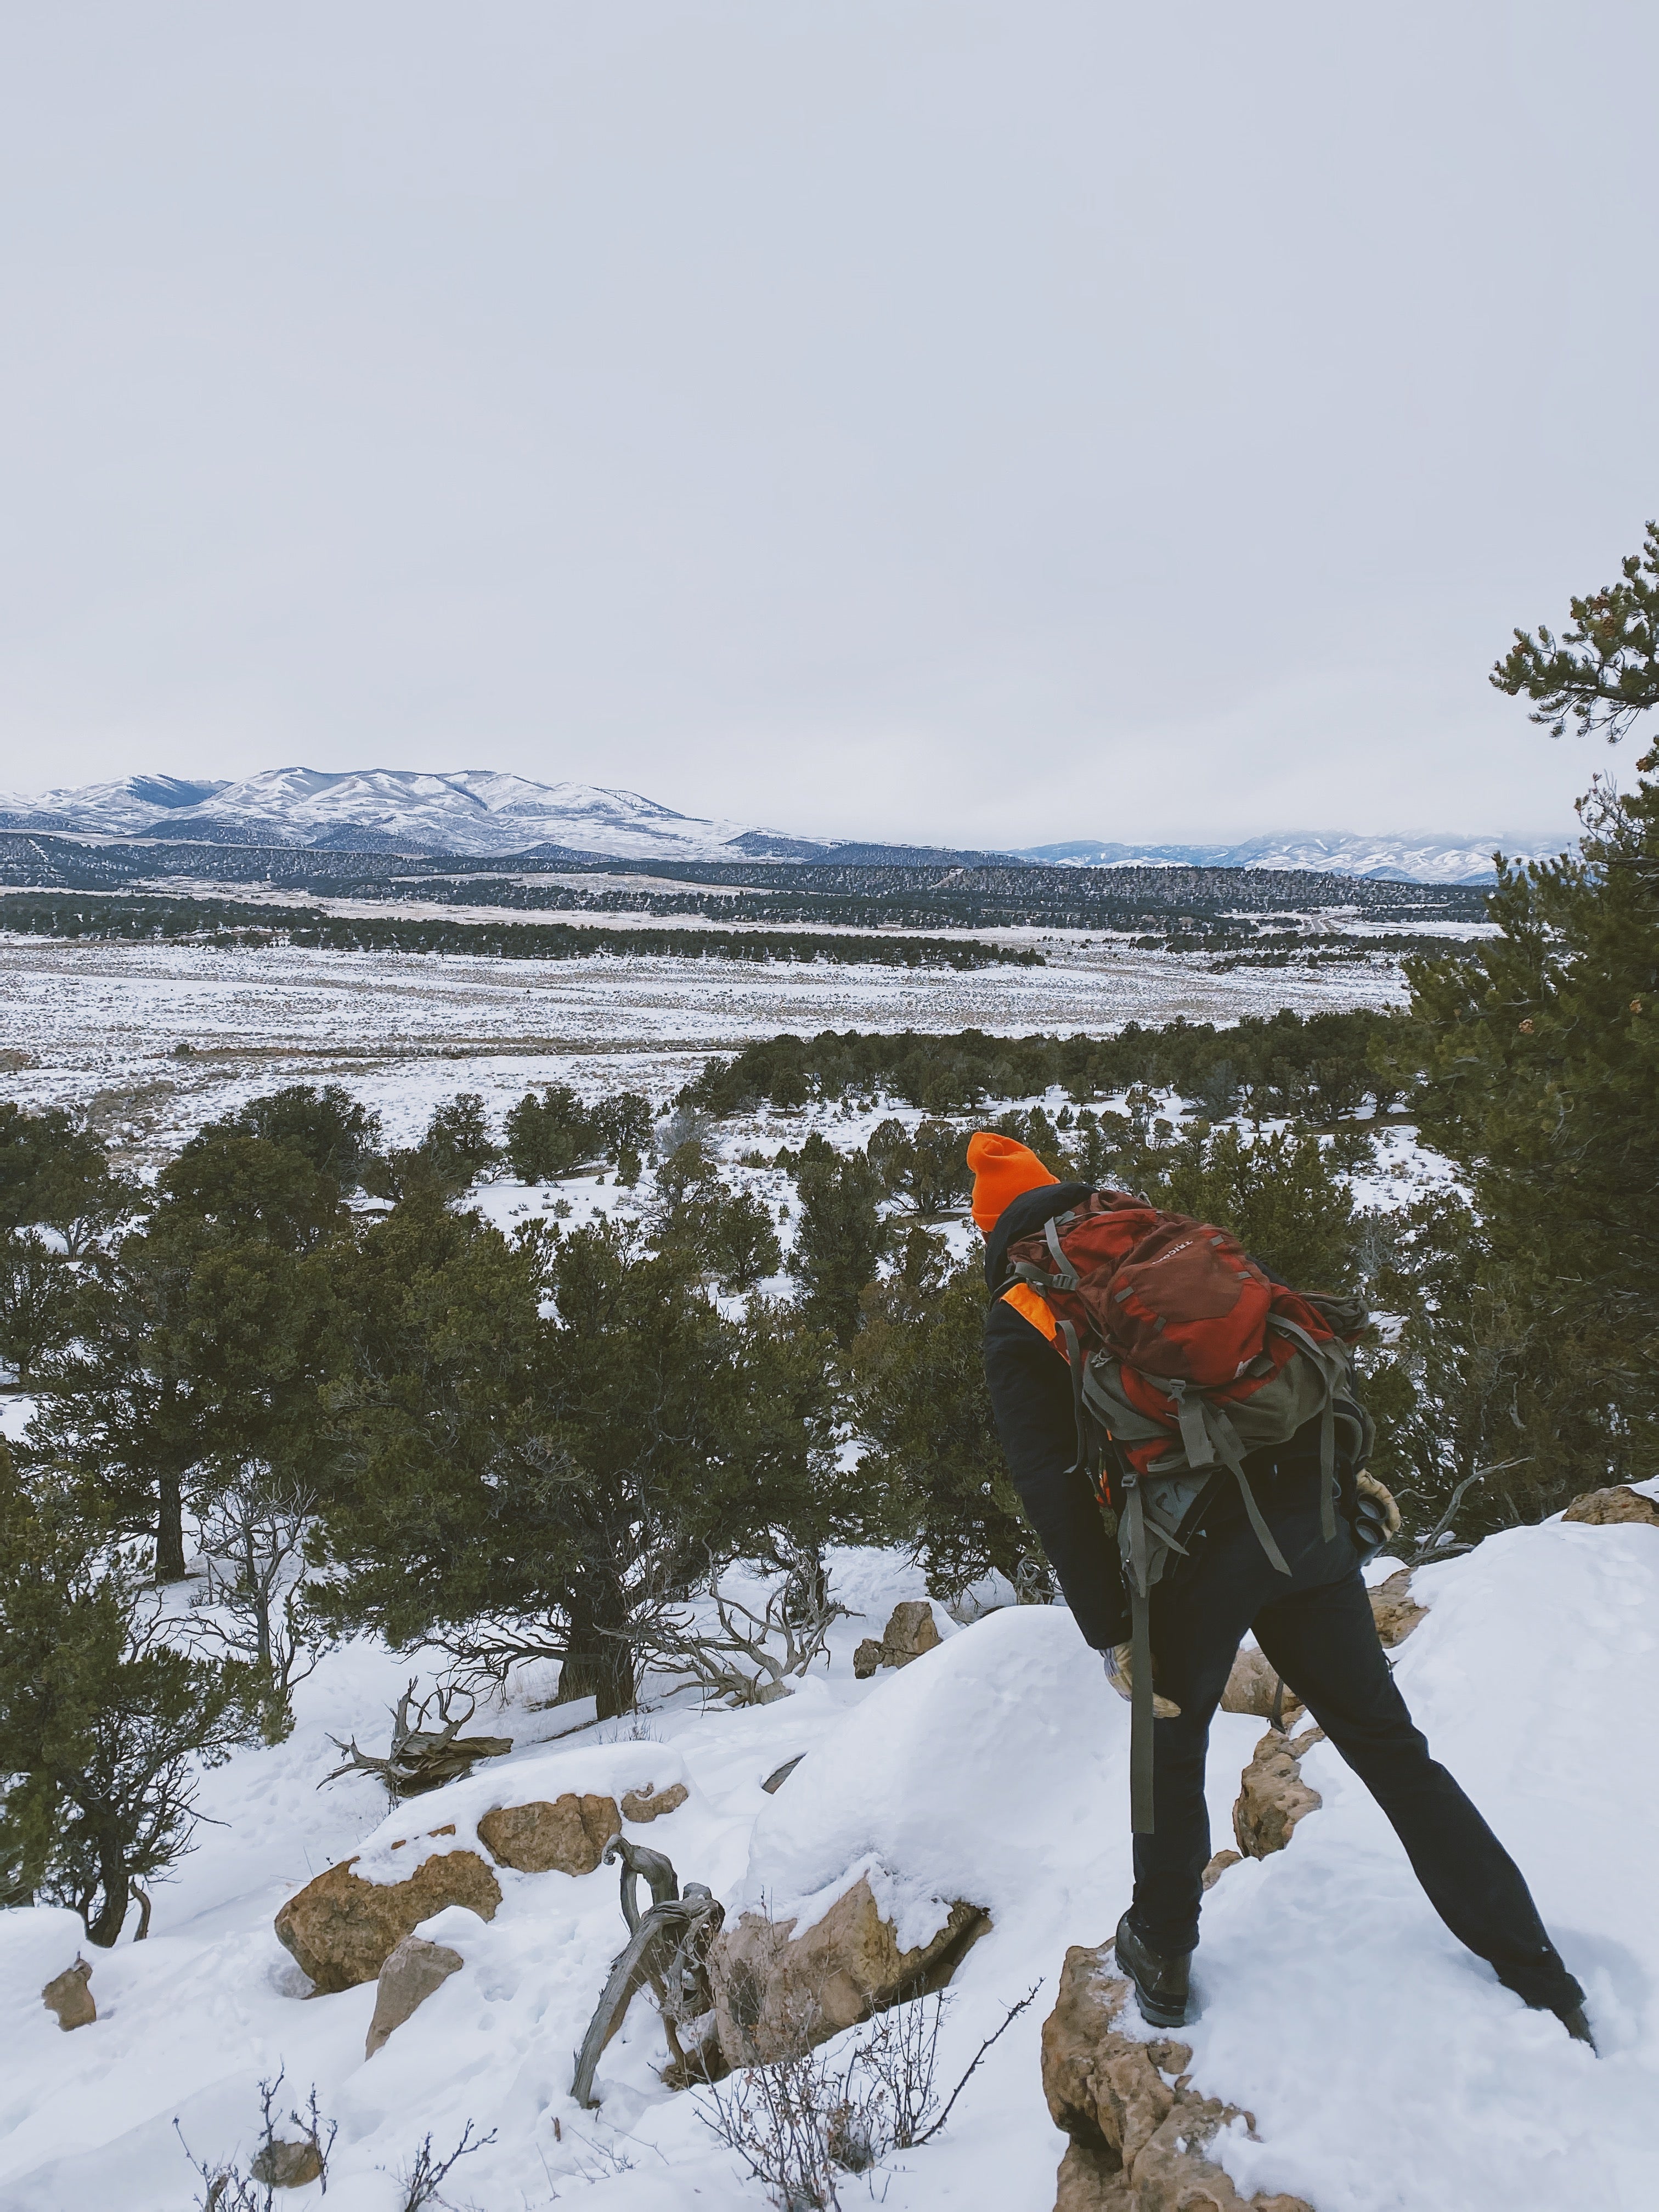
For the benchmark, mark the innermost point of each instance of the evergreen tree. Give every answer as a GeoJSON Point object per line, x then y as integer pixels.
{"type": "Point", "coordinates": [328, 1127]}
{"type": "Point", "coordinates": [1540, 1052]}
{"type": "Point", "coordinates": [202, 1338]}
{"type": "Point", "coordinates": [841, 1240]}
{"type": "Point", "coordinates": [37, 1300]}
{"type": "Point", "coordinates": [517, 1483]}
{"type": "Point", "coordinates": [103, 1723]}
{"type": "Point", "coordinates": [931, 1474]}
{"type": "Point", "coordinates": [53, 1173]}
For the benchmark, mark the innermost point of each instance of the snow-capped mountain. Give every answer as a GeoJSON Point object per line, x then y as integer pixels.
{"type": "Point", "coordinates": [1421, 859]}
{"type": "Point", "coordinates": [476, 812]}
{"type": "Point", "coordinates": [472, 812]}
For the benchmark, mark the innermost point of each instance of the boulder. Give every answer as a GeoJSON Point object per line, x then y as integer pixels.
{"type": "Point", "coordinates": [776, 1993]}
{"type": "Point", "coordinates": [412, 1972]}
{"type": "Point", "coordinates": [1606, 1509]}
{"type": "Point", "coordinates": [343, 1930]}
{"type": "Point", "coordinates": [566, 1837]}
{"type": "Point", "coordinates": [1393, 1609]}
{"type": "Point", "coordinates": [68, 1995]}
{"type": "Point", "coordinates": [651, 1803]}
{"type": "Point", "coordinates": [1271, 1795]}
{"type": "Point", "coordinates": [284, 2165]}
{"type": "Point", "coordinates": [911, 1631]}
{"type": "Point", "coordinates": [1139, 2129]}
{"type": "Point", "coordinates": [1252, 1687]}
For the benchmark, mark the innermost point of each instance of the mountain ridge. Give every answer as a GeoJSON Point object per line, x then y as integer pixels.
{"type": "Point", "coordinates": [485, 813]}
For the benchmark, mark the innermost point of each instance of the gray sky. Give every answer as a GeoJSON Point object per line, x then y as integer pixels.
{"type": "Point", "coordinates": [990, 419]}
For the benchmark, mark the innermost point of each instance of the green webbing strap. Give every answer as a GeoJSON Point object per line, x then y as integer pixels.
{"type": "Point", "coordinates": [1140, 1660]}
{"type": "Point", "coordinates": [1333, 1366]}
{"type": "Point", "coordinates": [1074, 1361]}
{"type": "Point", "coordinates": [1227, 1442]}
{"type": "Point", "coordinates": [1065, 1274]}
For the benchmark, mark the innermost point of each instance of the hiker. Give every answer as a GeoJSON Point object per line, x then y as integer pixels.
{"type": "Point", "coordinates": [1269, 1539]}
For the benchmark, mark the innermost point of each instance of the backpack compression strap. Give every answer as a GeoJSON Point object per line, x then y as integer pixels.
{"type": "Point", "coordinates": [1140, 1656]}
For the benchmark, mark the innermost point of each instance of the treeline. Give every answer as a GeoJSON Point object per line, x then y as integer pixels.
{"type": "Point", "coordinates": [1321, 1066]}
{"type": "Point", "coordinates": [1160, 900]}
{"type": "Point", "coordinates": [233, 925]}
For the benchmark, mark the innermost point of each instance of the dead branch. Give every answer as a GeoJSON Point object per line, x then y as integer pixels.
{"type": "Point", "coordinates": [422, 1758]}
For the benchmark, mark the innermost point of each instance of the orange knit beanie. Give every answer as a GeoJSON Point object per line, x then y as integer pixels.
{"type": "Point", "coordinates": [1002, 1169]}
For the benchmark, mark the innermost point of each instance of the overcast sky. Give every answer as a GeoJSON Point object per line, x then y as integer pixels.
{"type": "Point", "coordinates": [991, 421]}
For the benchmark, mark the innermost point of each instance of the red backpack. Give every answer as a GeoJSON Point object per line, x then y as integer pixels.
{"type": "Point", "coordinates": [1185, 1358]}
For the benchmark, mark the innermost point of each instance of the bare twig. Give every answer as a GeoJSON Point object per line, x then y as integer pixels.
{"type": "Point", "coordinates": [1008, 2019]}
{"type": "Point", "coordinates": [1432, 1539]}
{"type": "Point", "coordinates": [422, 2180]}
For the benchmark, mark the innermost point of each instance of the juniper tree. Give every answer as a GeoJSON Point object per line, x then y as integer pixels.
{"type": "Point", "coordinates": [53, 1173]}
{"type": "Point", "coordinates": [841, 1240]}
{"type": "Point", "coordinates": [931, 1474]}
{"type": "Point", "coordinates": [542, 1441]}
{"type": "Point", "coordinates": [201, 1338]}
{"type": "Point", "coordinates": [103, 1721]}
{"type": "Point", "coordinates": [37, 1300]}
{"type": "Point", "coordinates": [1541, 1047]}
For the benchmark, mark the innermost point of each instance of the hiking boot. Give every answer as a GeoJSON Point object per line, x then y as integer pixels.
{"type": "Point", "coordinates": [1160, 1984]}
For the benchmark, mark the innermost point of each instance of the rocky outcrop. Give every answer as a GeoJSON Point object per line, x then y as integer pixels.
{"type": "Point", "coordinates": [69, 1996]}
{"type": "Point", "coordinates": [1218, 1866]}
{"type": "Point", "coordinates": [1253, 1686]}
{"type": "Point", "coordinates": [1607, 1508]}
{"type": "Point", "coordinates": [1139, 2129]}
{"type": "Point", "coordinates": [776, 1993]}
{"type": "Point", "coordinates": [911, 1631]}
{"type": "Point", "coordinates": [414, 1969]}
{"type": "Point", "coordinates": [568, 1835]}
{"type": "Point", "coordinates": [651, 1803]}
{"type": "Point", "coordinates": [342, 1930]}
{"type": "Point", "coordinates": [1395, 1610]}
{"type": "Point", "coordinates": [1271, 1795]}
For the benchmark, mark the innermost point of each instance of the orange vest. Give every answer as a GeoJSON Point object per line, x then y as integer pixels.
{"type": "Point", "coordinates": [1034, 1308]}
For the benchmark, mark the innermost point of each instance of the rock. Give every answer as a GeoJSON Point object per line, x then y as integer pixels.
{"type": "Point", "coordinates": [775, 1995]}
{"type": "Point", "coordinates": [775, 1780]}
{"type": "Point", "coordinates": [287, 2164]}
{"type": "Point", "coordinates": [1139, 2130]}
{"type": "Point", "coordinates": [1218, 1866]}
{"type": "Point", "coordinates": [413, 1969]}
{"type": "Point", "coordinates": [342, 1930]}
{"type": "Point", "coordinates": [68, 1995]}
{"type": "Point", "coordinates": [1395, 1610]}
{"type": "Point", "coordinates": [1252, 1687]}
{"type": "Point", "coordinates": [1607, 1508]}
{"type": "Point", "coordinates": [1271, 1795]}
{"type": "Point", "coordinates": [647, 1804]}
{"type": "Point", "coordinates": [567, 1837]}
{"type": "Point", "coordinates": [1091, 2181]}
{"type": "Point", "coordinates": [911, 1631]}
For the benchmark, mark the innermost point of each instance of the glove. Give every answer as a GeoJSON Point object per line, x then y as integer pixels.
{"type": "Point", "coordinates": [1376, 1505]}
{"type": "Point", "coordinates": [1119, 1672]}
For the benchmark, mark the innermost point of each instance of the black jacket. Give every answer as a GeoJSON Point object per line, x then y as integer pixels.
{"type": "Point", "coordinates": [1030, 1389]}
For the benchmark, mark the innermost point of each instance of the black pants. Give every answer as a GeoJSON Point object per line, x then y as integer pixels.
{"type": "Point", "coordinates": [1316, 1627]}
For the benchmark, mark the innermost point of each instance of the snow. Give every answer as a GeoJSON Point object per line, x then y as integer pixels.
{"type": "Point", "coordinates": [99, 1026]}
{"type": "Point", "coordinates": [1385, 2067]}
{"type": "Point", "coordinates": [482, 811]}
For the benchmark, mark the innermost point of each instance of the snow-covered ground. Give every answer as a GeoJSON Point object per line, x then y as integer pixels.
{"type": "Point", "coordinates": [1385, 2067]}
{"type": "Point", "coordinates": [101, 1025]}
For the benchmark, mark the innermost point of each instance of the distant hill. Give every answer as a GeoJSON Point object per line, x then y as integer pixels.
{"type": "Point", "coordinates": [477, 813]}
{"type": "Point", "coordinates": [1422, 859]}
